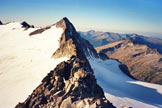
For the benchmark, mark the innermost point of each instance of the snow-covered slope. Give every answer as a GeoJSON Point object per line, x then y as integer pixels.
{"type": "Point", "coordinates": [122, 90]}
{"type": "Point", "coordinates": [24, 60]}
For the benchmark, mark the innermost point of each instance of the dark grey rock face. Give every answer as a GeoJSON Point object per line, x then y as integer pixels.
{"type": "Point", "coordinates": [26, 25]}
{"type": "Point", "coordinates": [1, 22]}
{"type": "Point", "coordinates": [103, 56]}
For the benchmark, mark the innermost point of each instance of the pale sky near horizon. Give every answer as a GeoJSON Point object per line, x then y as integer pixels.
{"type": "Point", "coordinates": [123, 16]}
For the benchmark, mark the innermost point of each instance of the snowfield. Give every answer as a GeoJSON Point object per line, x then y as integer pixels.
{"type": "Point", "coordinates": [24, 61]}
{"type": "Point", "coordinates": [122, 90]}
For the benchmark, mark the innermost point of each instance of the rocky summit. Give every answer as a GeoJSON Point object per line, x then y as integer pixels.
{"type": "Point", "coordinates": [72, 83]}
{"type": "Point", "coordinates": [72, 44]}
{"type": "Point", "coordinates": [26, 25]}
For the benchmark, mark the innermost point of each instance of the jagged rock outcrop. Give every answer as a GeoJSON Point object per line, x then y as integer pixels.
{"type": "Point", "coordinates": [71, 84]}
{"type": "Point", "coordinates": [1, 22]}
{"type": "Point", "coordinates": [26, 25]}
{"type": "Point", "coordinates": [143, 63]}
{"type": "Point", "coordinates": [39, 31]}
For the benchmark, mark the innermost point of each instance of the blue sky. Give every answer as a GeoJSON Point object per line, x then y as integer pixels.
{"type": "Point", "coordinates": [125, 16]}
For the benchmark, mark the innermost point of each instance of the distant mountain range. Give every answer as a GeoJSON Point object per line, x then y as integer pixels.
{"type": "Point", "coordinates": [143, 63]}
{"type": "Point", "coordinates": [141, 54]}
{"type": "Point", "coordinates": [98, 38]}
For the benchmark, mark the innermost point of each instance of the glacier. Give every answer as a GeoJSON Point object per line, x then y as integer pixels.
{"type": "Point", "coordinates": [123, 90]}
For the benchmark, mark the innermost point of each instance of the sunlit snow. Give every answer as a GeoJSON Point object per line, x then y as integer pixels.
{"type": "Point", "coordinates": [24, 61]}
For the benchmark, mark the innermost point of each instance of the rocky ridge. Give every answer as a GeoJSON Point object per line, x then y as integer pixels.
{"type": "Point", "coordinates": [71, 84]}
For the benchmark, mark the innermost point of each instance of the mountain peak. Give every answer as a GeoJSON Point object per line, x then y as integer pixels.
{"type": "Point", "coordinates": [71, 44]}
{"type": "Point", "coordinates": [72, 83]}
{"type": "Point", "coordinates": [26, 25]}
{"type": "Point", "coordinates": [65, 24]}
{"type": "Point", "coordinates": [66, 19]}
